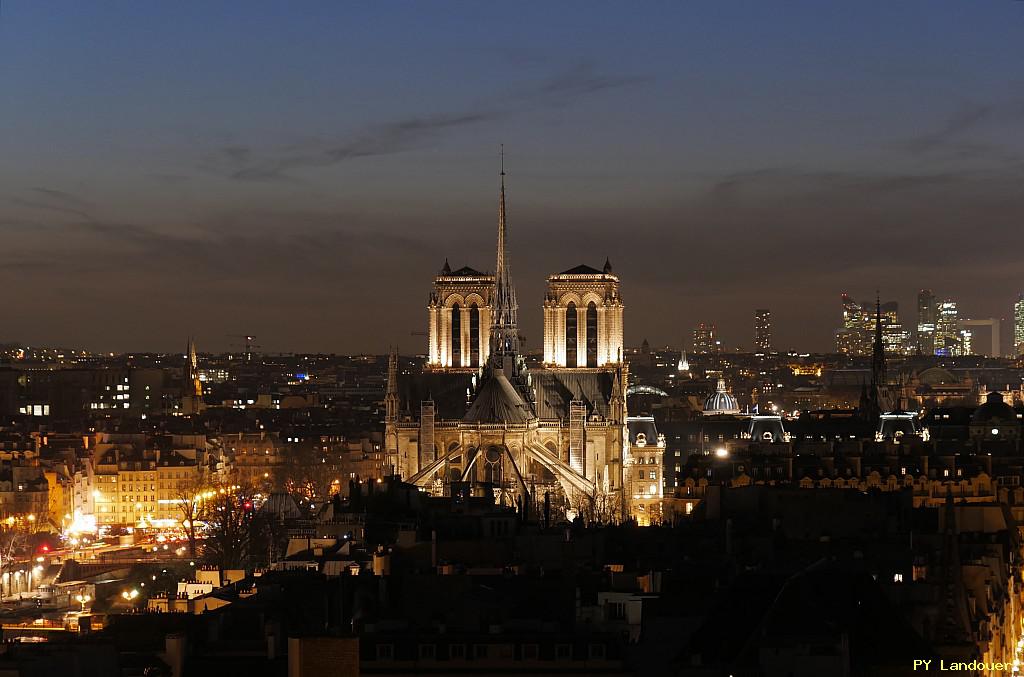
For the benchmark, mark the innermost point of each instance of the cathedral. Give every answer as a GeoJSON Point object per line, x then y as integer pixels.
{"type": "Point", "coordinates": [477, 419]}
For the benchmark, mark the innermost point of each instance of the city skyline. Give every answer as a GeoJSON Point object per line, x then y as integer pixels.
{"type": "Point", "coordinates": [153, 190]}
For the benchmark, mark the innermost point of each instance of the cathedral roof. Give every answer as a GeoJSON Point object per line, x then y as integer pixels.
{"type": "Point", "coordinates": [557, 389]}
{"type": "Point", "coordinates": [582, 270]}
{"type": "Point", "coordinates": [466, 271]}
{"type": "Point", "coordinates": [498, 402]}
{"type": "Point", "coordinates": [447, 390]}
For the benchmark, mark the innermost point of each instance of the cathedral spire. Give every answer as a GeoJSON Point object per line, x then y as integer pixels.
{"type": "Point", "coordinates": [504, 333]}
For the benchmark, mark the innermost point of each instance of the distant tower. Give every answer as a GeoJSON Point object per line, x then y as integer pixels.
{"type": "Point", "coordinates": [763, 330]}
{"type": "Point", "coordinates": [192, 395]}
{"type": "Point", "coordinates": [683, 365]}
{"type": "Point", "coordinates": [192, 370]}
{"type": "Point", "coordinates": [878, 376]}
{"type": "Point", "coordinates": [391, 406]}
{"type": "Point", "coordinates": [1018, 326]}
{"type": "Point", "coordinates": [926, 321]}
{"type": "Point", "coordinates": [391, 401]}
{"type": "Point", "coordinates": [704, 340]}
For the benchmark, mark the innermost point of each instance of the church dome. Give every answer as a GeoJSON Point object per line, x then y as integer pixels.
{"type": "Point", "coordinates": [937, 376]}
{"type": "Point", "coordinates": [721, 402]}
{"type": "Point", "coordinates": [995, 410]}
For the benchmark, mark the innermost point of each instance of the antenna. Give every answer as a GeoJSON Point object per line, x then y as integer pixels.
{"type": "Point", "coordinates": [502, 154]}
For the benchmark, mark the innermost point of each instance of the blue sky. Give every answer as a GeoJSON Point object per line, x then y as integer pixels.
{"type": "Point", "coordinates": [211, 168]}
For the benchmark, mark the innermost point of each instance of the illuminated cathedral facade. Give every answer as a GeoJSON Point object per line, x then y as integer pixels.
{"type": "Point", "coordinates": [477, 419]}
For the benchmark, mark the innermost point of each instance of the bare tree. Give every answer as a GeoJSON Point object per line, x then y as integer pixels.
{"type": "Point", "coordinates": [189, 500]}
{"type": "Point", "coordinates": [13, 540]}
{"type": "Point", "coordinates": [310, 472]}
{"type": "Point", "coordinates": [597, 507]}
{"type": "Point", "coordinates": [229, 523]}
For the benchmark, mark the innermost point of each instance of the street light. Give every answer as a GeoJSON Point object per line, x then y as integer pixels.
{"type": "Point", "coordinates": [83, 600]}
{"type": "Point", "coordinates": [129, 595]}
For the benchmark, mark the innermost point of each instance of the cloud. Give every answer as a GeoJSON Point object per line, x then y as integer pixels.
{"type": "Point", "coordinates": [957, 125]}
{"type": "Point", "coordinates": [379, 140]}
{"type": "Point", "coordinates": [53, 200]}
{"type": "Point", "coordinates": [243, 163]}
{"type": "Point", "coordinates": [584, 79]}
{"type": "Point", "coordinates": [955, 136]}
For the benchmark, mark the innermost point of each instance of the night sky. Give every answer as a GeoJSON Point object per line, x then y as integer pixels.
{"type": "Point", "coordinates": [299, 171]}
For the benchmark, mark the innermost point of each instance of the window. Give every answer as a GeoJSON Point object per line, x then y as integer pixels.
{"type": "Point", "coordinates": [457, 652]}
{"type": "Point", "coordinates": [530, 652]}
{"type": "Point", "coordinates": [563, 652]}
{"type": "Point", "coordinates": [591, 335]}
{"type": "Point", "coordinates": [427, 652]}
{"type": "Point", "coordinates": [456, 336]}
{"type": "Point", "coordinates": [480, 651]}
{"type": "Point", "coordinates": [570, 335]}
{"type": "Point", "coordinates": [474, 335]}
{"type": "Point", "coordinates": [385, 652]}
{"type": "Point", "coordinates": [596, 651]}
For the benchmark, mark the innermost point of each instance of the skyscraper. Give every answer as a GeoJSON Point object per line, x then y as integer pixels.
{"type": "Point", "coordinates": [948, 339]}
{"type": "Point", "coordinates": [856, 336]}
{"type": "Point", "coordinates": [704, 340]}
{"type": "Point", "coordinates": [763, 330]}
{"type": "Point", "coordinates": [1018, 326]}
{"type": "Point", "coordinates": [926, 318]}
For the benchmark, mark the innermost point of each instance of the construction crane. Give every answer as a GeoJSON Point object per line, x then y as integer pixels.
{"type": "Point", "coordinates": [249, 344]}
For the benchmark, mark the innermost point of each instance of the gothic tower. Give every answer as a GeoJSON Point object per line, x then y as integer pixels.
{"type": "Point", "coordinates": [583, 318]}
{"type": "Point", "coordinates": [192, 391]}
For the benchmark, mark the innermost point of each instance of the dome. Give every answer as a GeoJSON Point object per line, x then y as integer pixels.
{"type": "Point", "coordinates": [936, 376]}
{"type": "Point", "coordinates": [721, 402]}
{"type": "Point", "coordinates": [994, 411]}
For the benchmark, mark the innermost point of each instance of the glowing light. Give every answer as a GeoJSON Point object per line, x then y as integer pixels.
{"type": "Point", "coordinates": [721, 452]}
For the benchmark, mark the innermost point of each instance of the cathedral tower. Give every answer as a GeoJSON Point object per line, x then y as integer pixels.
{"type": "Point", "coordinates": [583, 318]}
{"type": "Point", "coordinates": [459, 319]}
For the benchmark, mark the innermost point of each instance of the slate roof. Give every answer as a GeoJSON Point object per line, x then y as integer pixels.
{"type": "Point", "coordinates": [498, 402]}
{"type": "Point", "coordinates": [466, 271]}
{"type": "Point", "coordinates": [581, 270]}
{"type": "Point", "coordinates": [556, 389]}
{"type": "Point", "coordinates": [446, 389]}
{"type": "Point", "coordinates": [645, 425]}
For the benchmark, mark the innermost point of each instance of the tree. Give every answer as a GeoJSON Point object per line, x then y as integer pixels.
{"type": "Point", "coordinates": [229, 527]}
{"type": "Point", "coordinates": [189, 499]}
{"type": "Point", "coordinates": [597, 507]}
{"type": "Point", "coordinates": [310, 471]}
{"type": "Point", "coordinates": [13, 540]}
